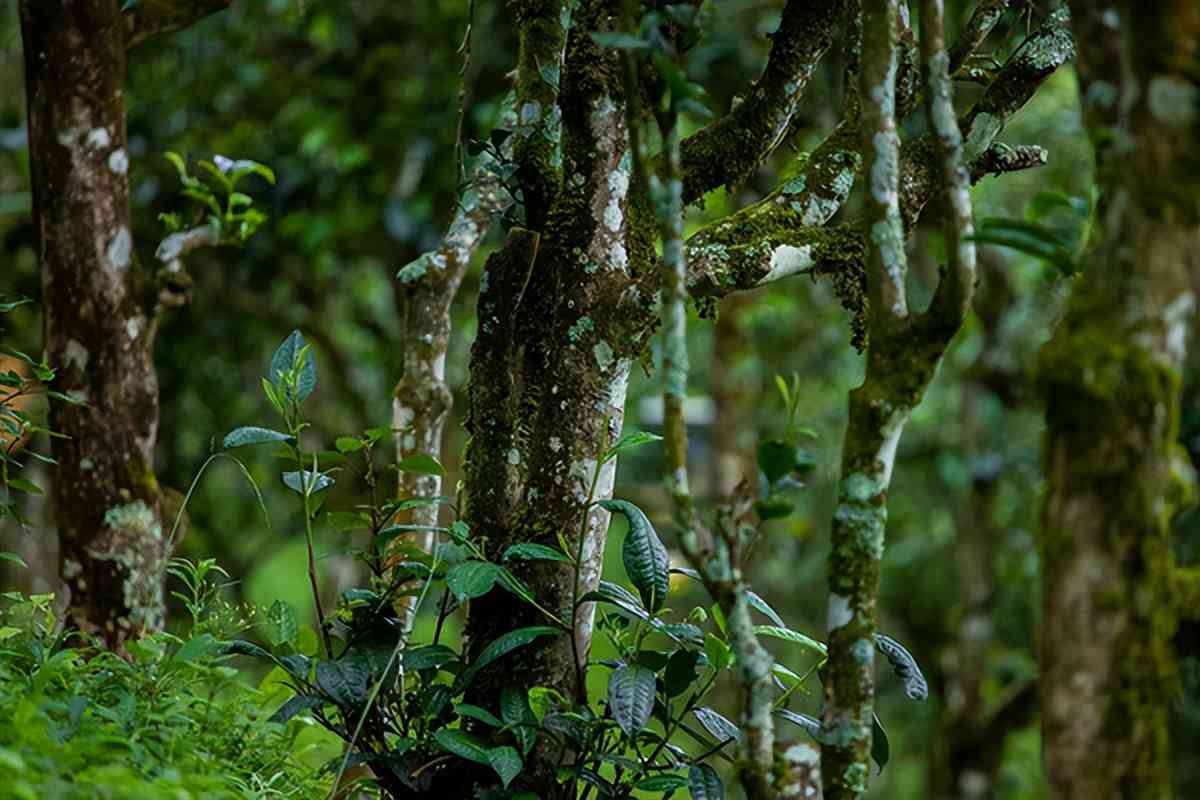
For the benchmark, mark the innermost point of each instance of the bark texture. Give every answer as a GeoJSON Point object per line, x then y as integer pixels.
{"type": "Point", "coordinates": [1110, 377]}
{"type": "Point", "coordinates": [97, 311]}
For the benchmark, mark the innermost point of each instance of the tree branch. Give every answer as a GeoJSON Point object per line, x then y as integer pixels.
{"type": "Point", "coordinates": [730, 149]}
{"type": "Point", "coordinates": [148, 18]}
{"type": "Point", "coordinates": [983, 20]}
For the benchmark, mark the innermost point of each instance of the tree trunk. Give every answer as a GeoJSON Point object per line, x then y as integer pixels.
{"type": "Point", "coordinates": [97, 318]}
{"type": "Point", "coordinates": [1110, 377]}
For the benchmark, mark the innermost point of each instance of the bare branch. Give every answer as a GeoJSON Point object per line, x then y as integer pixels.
{"type": "Point", "coordinates": [730, 149]}
{"type": "Point", "coordinates": [148, 18]}
{"type": "Point", "coordinates": [1001, 158]}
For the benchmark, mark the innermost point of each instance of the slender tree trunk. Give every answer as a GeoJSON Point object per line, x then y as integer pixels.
{"type": "Point", "coordinates": [1110, 377]}
{"type": "Point", "coordinates": [96, 307]}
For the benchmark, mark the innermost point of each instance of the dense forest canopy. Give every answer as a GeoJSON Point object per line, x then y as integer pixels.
{"type": "Point", "coordinates": [599, 398]}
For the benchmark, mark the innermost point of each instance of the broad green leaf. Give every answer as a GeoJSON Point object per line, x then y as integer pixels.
{"type": "Point", "coordinates": [348, 444]}
{"type": "Point", "coordinates": [717, 725]}
{"type": "Point", "coordinates": [477, 713]}
{"type": "Point", "coordinates": [420, 464]}
{"type": "Point", "coordinates": [241, 647]}
{"type": "Point", "coordinates": [507, 763]}
{"type": "Point", "coordinates": [195, 648]}
{"type": "Point", "coordinates": [643, 554]}
{"type": "Point", "coordinates": [346, 682]}
{"type": "Point", "coordinates": [13, 557]}
{"type": "Point", "coordinates": [240, 437]}
{"type": "Point", "coordinates": [680, 672]}
{"type": "Point", "coordinates": [704, 783]}
{"type": "Point", "coordinates": [472, 579]}
{"type": "Point", "coordinates": [427, 657]}
{"type": "Point", "coordinates": [506, 644]}
{"type": "Point", "coordinates": [776, 458]}
{"type": "Point", "coordinates": [719, 654]}
{"type": "Point", "coordinates": [343, 521]}
{"type": "Point", "coordinates": [297, 704]}
{"type": "Point", "coordinates": [285, 356]}
{"type": "Point", "coordinates": [789, 635]}
{"type": "Point", "coordinates": [631, 697]}
{"type": "Point", "coordinates": [516, 712]}
{"type": "Point", "coordinates": [904, 665]}
{"type": "Point", "coordinates": [281, 623]}
{"type": "Point", "coordinates": [463, 745]}
{"type": "Point", "coordinates": [534, 552]}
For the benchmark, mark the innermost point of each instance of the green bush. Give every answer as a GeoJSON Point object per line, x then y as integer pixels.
{"type": "Point", "coordinates": [169, 721]}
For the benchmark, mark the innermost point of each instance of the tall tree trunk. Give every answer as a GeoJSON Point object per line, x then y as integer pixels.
{"type": "Point", "coordinates": [98, 306]}
{"type": "Point", "coordinates": [1110, 377]}
{"type": "Point", "coordinates": [96, 310]}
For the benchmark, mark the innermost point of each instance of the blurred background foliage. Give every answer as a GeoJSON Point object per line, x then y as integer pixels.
{"type": "Point", "coordinates": [355, 106]}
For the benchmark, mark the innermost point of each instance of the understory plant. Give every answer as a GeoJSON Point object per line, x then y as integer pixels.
{"type": "Point", "coordinates": [404, 703]}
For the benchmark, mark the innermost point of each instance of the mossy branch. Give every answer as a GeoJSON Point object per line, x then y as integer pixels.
{"type": "Point", "coordinates": [731, 148]}
{"type": "Point", "coordinates": [148, 18]}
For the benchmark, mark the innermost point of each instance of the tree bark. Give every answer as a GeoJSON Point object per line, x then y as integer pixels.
{"type": "Point", "coordinates": [1110, 377]}
{"type": "Point", "coordinates": [97, 319]}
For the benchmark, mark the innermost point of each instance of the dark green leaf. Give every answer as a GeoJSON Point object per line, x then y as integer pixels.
{"type": "Point", "coordinates": [281, 623]}
{"type": "Point", "coordinates": [760, 605]}
{"type": "Point", "coordinates": [507, 763]}
{"type": "Point", "coordinates": [535, 552]}
{"type": "Point", "coordinates": [789, 635]}
{"type": "Point", "coordinates": [704, 783]}
{"type": "Point", "coordinates": [880, 749]}
{"type": "Point", "coordinates": [301, 702]}
{"type": "Point", "coordinates": [516, 712]}
{"type": "Point", "coordinates": [776, 458]}
{"type": "Point", "coordinates": [811, 725]}
{"type": "Point", "coordinates": [680, 672]}
{"type": "Point", "coordinates": [420, 464]}
{"type": "Point", "coordinates": [506, 644]}
{"type": "Point", "coordinates": [463, 745]}
{"type": "Point", "coordinates": [346, 682]}
{"type": "Point", "coordinates": [472, 579]}
{"type": "Point", "coordinates": [631, 697]}
{"type": "Point", "coordinates": [661, 783]}
{"type": "Point", "coordinates": [427, 657]}
{"type": "Point", "coordinates": [240, 437]}
{"type": "Point", "coordinates": [477, 713]}
{"type": "Point", "coordinates": [644, 556]}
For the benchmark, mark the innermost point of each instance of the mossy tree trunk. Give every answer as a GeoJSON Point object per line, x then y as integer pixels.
{"type": "Point", "coordinates": [99, 308]}
{"type": "Point", "coordinates": [1110, 377]}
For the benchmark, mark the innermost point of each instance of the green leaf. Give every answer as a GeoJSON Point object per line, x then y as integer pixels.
{"type": "Point", "coordinates": [348, 444]}
{"type": "Point", "coordinates": [680, 672]}
{"type": "Point", "coordinates": [719, 654]}
{"type": "Point", "coordinates": [517, 713]}
{"type": "Point", "coordinates": [619, 41]}
{"type": "Point", "coordinates": [420, 464]}
{"type": "Point", "coordinates": [761, 606]}
{"type": "Point", "coordinates": [316, 481]}
{"type": "Point", "coordinates": [643, 554]}
{"type": "Point", "coordinates": [346, 682]}
{"type": "Point", "coordinates": [704, 783]}
{"type": "Point", "coordinates": [282, 626]}
{"type": "Point", "coordinates": [463, 745]}
{"type": "Point", "coordinates": [661, 783]}
{"type": "Point", "coordinates": [717, 725]}
{"type": "Point", "coordinates": [472, 579]}
{"type": "Point", "coordinates": [630, 441]}
{"type": "Point", "coordinates": [283, 359]}
{"type": "Point", "coordinates": [534, 552]}
{"type": "Point", "coordinates": [631, 692]}
{"type": "Point", "coordinates": [506, 644]}
{"type": "Point", "coordinates": [811, 725]}
{"type": "Point", "coordinates": [507, 763]}
{"type": "Point", "coordinates": [481, 714]}
{"type": "Point", "coordinates": [904, 665]}
{"type": "Point", "coordinates": [22, 485]}
{"type": "Point", "coordinates": [240, 437]}
{"type": "Point", "coordinates": [789, 635]}
{"type": "Point", "coordinates": [776, 458]}
{"type": "Point", "coordinates": [881, 750]}
{"type": "Point", "coordinates": [343, 521]}
{"type": "Point", "coordinates": [428, 657]}
{"type": "Point", "coordinates": [13, 557]}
